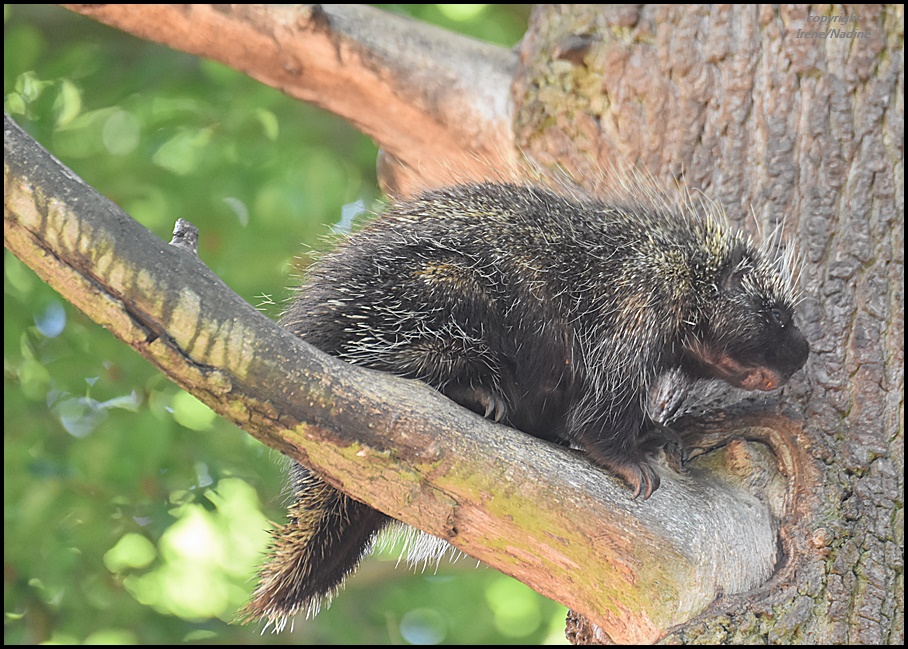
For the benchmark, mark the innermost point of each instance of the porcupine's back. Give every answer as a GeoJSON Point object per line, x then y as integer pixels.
{"type": "Point", "coordinates": [458, 287]}
{"type": "Point", "coordinates": [465, 277]}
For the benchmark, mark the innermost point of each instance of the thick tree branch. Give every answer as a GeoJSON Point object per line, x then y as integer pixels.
{"type": "Point", "coordinates": [424, 94]}
{"type": "Point", "coordinates": [539, 513]}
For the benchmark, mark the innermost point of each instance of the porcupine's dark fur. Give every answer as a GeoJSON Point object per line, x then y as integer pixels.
{"type": "Point", "coordinates": [550, 314]}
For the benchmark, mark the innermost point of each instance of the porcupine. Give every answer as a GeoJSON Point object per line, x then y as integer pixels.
{"type": "Point", "coordinates": [551, 314]}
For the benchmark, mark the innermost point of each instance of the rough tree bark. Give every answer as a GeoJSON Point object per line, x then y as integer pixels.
{"type": "Point", "coordinates": [807, 130]}
{"type": "Point", "coordinates": [737, 101]}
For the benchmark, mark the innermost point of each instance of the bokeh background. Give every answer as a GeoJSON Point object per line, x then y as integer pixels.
{"type": "Point", "coordinates": [133, 514]}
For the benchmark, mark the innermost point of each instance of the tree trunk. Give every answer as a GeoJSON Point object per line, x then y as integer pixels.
{"type": "Point", "coordinates": [741, 102]}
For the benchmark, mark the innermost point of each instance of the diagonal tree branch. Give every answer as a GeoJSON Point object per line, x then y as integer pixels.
{"type": "Point", "coordinates": [539, 513]}
{"type": "Point", "coordinates": [424, 94]}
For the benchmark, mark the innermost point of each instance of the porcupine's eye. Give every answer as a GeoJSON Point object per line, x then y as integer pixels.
{"type": "Point", "coordinates": [779, 317]}
{"type": "Point", "coordinates": [783, 346]}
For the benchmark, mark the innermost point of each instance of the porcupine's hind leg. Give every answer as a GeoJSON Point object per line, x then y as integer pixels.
{"type": "Point", "coordinates": [456, 360]}
{"type": "Point", "coordinates": [482, 400]}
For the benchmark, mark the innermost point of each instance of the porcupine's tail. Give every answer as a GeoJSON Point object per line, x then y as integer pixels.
{"type": "Point", "coordinates": [323, 541]}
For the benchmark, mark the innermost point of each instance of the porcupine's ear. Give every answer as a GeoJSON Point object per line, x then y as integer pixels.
{"type": "Point", "coordinates": [733, 271]}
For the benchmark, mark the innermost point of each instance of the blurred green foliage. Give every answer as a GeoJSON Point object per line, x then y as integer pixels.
{"type": "Point", "coordinates": [131, 513]}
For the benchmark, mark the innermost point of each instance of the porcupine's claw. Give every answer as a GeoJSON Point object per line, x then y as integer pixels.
{"type": "Point", "coordinates": [495, 407]}
{"type": "Point", "coordinates": [643, 479]}
{"type": "Point", "coordinates": [639, 474]}
{"type": "Point", "coordinates": [480, 400]}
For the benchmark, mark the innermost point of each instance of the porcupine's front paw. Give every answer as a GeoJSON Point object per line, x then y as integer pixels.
{"type": "Point", "coordinates": [640, 476]}
{"type": "Point", "coordinates": [629, 464]}
{"type": "Point", "coordinates": [638, 469]}
{"type": "Point", "coordinates": [664, 438]}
